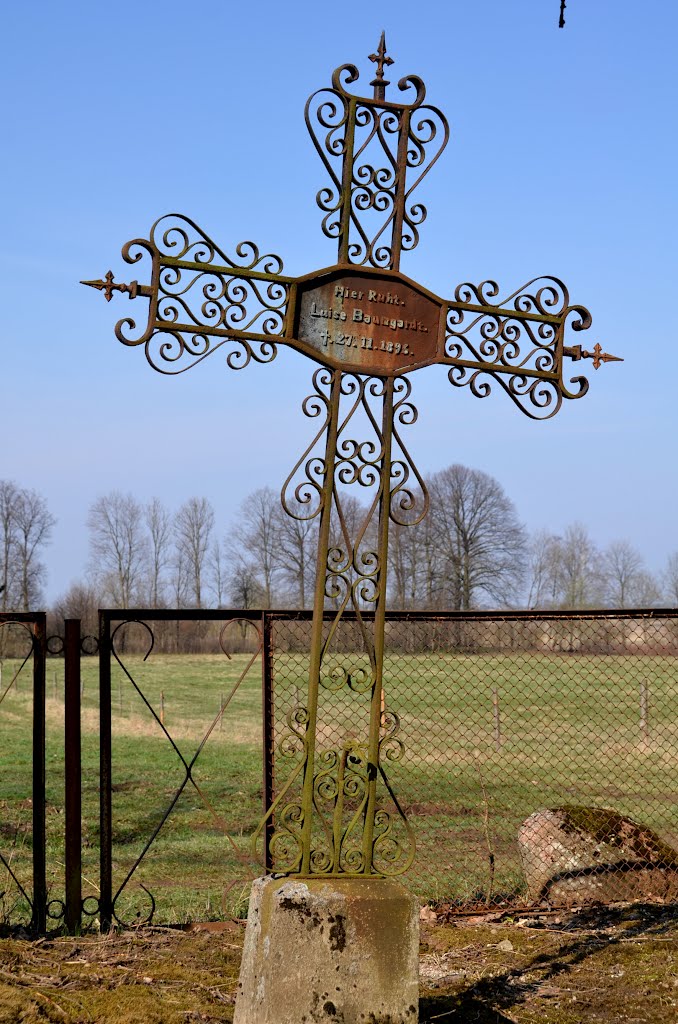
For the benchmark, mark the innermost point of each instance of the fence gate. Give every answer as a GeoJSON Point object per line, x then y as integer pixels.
{"type": "Point", "coordinates": [180, 713]}
{"type": "Point", "coordinates": [23, 890]}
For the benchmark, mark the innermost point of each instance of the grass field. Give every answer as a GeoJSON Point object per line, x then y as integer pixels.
{"type": "Point", "coordinates": [487, 740]}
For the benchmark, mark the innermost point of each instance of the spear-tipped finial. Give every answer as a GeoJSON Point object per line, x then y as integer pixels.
{"type": "Point", "coordinates": [107, 286]}
{"type": "Point", "coordinates": [576, 352]}
{"type": "Point", "coordinates": [381, 59]}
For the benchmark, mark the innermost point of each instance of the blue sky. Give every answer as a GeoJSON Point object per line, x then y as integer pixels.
{"type": "Point", "coordinates": [562, 161]}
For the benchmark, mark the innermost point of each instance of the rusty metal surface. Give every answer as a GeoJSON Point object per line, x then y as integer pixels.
{"type": "Point", "coordinates": [73, 778]}
{"type": "Point", "coordinates": [376, 324]}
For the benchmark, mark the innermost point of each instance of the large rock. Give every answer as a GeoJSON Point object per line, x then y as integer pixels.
{"type": "Point", "coordinates": [335, 950]}
{"type": "Point", "coordinates": [576, 854]}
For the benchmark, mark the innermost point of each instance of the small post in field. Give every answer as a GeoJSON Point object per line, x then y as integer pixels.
{"type": "Point", "coordinates": [497, 718]}
{"type": "Point", "coordinates": [644, 716]}
{"type": "Point", "coordinates": [162, 707]}
{"type": "Point", "coordinates": [221, 712]}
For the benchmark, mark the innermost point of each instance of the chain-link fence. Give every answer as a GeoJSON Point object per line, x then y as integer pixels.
{"type": "Point", "coordinates": [538, 758]}
{"type": "Point", "coordinates": [539, 750]}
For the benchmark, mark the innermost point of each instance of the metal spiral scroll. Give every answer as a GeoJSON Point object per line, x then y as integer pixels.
{"type": "Point", "coordinates": [517, 342]}
{"type": "Point", "coordinates": [199, 296]}
{"type": "Point", "coordinates": [329, 825]}
{"type": "Point", "coordinates": [376, 153]}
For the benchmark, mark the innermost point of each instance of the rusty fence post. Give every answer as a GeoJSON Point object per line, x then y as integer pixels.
{"type": "Point", "coordinates": [73, 803]}
{"type": "Point", "coordinates": [39, 916]}
{"type": "Point", "coordinates": [269, 730]}
{"type": "Point", "coordinates": [105, 754]}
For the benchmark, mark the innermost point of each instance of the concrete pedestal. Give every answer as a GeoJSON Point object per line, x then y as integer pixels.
{"type": "Point", "coordinates": [344, 950]}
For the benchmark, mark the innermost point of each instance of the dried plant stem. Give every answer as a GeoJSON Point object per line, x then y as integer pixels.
{"type": "Point", "coordinates": [488, 838]}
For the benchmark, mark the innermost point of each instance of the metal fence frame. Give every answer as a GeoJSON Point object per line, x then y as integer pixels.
{"type": "Point", "coordinates": [36, 623]}
{"type": "Point", "coordinates": [71, 645]}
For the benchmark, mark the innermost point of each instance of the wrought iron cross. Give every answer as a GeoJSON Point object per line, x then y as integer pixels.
{"type": "Point", "coordinates": [368, 326]}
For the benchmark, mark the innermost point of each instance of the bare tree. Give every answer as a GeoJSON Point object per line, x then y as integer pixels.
{"type": "Point", "coordinates": [218, 572]}
{"type": "Point", "coordinates": [579, 569]}
{"type": "Point", "coordinates": [81, 601]}
{"type": "Point", "coordinates": [255, 540]}
{"type": "Point", "coordinates": [411, 558]}
{"type": "Point", "coordinates": [118, 547]}
{"type": "Point", "coordinates": [297, 540]}
{"type": "Point", "coordinates": [244, 587]}
{"type": "Point", "coordinates": [544, 570]}
{"type": "Point", "coordinates": [482, 544]}
{"type": "Point", "coordinates": [622, 573]}
{"type": "Point", "coordinates": [193, 531]}
{"type": "Point", "coordinates": [159, 526]}
{"type": "Point", "coordinates": [34, 524]}
{"type": "Point", "coordinates": [25, 527]}
{"type": "Point", "coordinates": [670, 578]}
{"type": "Point", "coordinates": [646, 591]}
{"type": "Point", "coordinates": [179, 579]}
{"type": "Point", "coordinates": [8, 497]}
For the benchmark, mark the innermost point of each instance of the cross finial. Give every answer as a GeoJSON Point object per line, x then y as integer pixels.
{"type": "Point", "coordinates": [381, 59]}
{"type": "Point", "coordinates": [107, 286]}
{"type": "Point", "coordinates": [576, 352]}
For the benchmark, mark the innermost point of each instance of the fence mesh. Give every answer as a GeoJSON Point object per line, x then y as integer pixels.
{"type": "Point", "coordinates": [539, 751]}
{"type": "Point", "coordinates": [538, 761]}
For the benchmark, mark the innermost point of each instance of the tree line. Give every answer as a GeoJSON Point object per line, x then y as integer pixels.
{"type": "Point", "coordinates": [471, 550]}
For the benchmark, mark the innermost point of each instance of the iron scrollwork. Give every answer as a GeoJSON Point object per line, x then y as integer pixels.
{"type": "Point", "coordinates": [517, 341]}
{"type": "Point", "coordinates": [326, 818]}
{"type": "Point", "coordinates": [200, 298]}
{"type": "Point", "coordinates": [376, 153]}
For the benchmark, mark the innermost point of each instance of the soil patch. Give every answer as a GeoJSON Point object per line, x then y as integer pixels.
{"type": "Point", "coordinates": [616, 964]}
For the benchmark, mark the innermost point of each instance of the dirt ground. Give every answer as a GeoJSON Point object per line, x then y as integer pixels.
{"type": "Point", "coordinates": [613, 964]}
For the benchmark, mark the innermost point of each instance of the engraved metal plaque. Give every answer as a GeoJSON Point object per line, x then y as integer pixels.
{"type": "Point", "coordinates": [365, 322]}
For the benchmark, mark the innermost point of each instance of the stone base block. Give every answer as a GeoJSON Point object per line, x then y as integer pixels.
{"type": "Point", "coordinates": [340, 950]}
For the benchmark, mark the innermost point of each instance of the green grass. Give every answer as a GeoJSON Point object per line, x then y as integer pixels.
{"type": "Point", "coordinates": [569, 733]}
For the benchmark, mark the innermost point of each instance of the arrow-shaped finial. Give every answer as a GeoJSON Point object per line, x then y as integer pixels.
{"type": "Point", "coordinates": [108, 287]}
{"type": "Point", "coordinates": [576, 352]}
{"type": "Point", "coordinates": [381, 59]}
